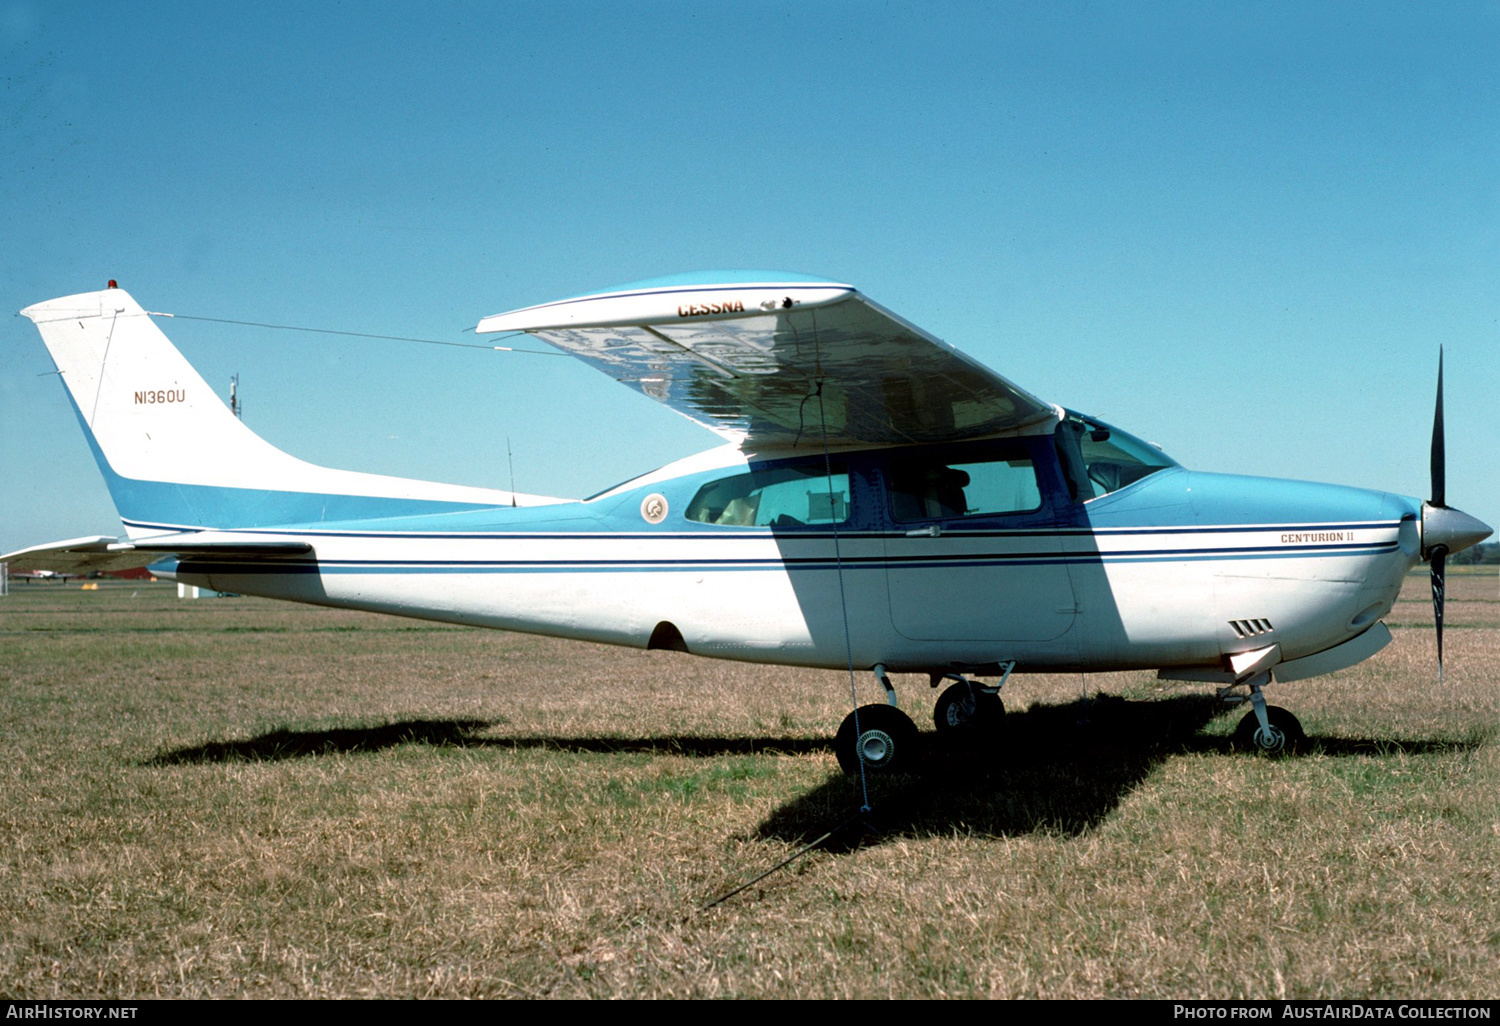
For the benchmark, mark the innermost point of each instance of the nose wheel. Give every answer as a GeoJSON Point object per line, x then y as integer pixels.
{"type": "Point", "coordinates": [1282, 733]}
{"type": "Point", "coordinates": [884, 737]}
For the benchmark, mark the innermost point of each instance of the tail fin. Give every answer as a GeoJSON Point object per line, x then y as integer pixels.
{"type": "Point", "coordinates": [174, 456]}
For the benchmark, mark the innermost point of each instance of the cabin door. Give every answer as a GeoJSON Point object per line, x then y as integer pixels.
{"type": "Point", "coordinates": [972, 550]}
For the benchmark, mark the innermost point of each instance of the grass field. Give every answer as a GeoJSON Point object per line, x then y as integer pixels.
{"type": "Point", "coordinates": [233, 797]}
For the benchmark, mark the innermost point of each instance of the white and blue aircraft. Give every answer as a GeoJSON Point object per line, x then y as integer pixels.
{"type": "Point", "coordinates": [882, 503]}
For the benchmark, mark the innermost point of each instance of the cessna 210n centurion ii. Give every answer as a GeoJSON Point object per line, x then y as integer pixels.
{"type": "Point", "coordinates": [883, 502]}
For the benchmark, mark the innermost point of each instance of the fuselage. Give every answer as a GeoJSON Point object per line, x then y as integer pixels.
{"type": "Point", "coordinates": [960, 556]}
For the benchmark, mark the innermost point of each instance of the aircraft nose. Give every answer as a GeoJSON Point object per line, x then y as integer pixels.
{"type": "Point", "coordinates": [1453, 529]}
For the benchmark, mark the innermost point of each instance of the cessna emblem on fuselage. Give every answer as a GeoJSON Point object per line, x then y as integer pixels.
{"type": "Point", "coordinates": [654, 508]}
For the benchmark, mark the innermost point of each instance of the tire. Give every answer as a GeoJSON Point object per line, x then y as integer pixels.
{"type": "Point", "coordinates": [964, 710]}
{"type": "Point", "coordinates": [1287, 735]}
{"type": "Point", "coordinates": [887, 737]}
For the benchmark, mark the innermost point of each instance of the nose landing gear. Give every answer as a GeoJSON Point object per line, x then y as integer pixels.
{"type": "Point", "coordinates": [1268, 729]}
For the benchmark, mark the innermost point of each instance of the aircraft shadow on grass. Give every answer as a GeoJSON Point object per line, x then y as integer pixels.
{"type": "Point", "coordinates": [282, 744]}
{"type": "Point", "coordinates": [278, 745]}
{"type": "Point", "coordinates": [1060, 768]}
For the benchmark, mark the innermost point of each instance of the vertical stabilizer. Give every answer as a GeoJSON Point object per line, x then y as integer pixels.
{"type": "Point", "coordinates": [151, 415]}
{"type": "Point", "coordinates": [173, 454]}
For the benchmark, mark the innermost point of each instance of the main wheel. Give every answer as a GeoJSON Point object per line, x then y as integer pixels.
{"type": "Point", "coordinates": [886, 738]}
{"type": "Point", "coordinates": [967, 709]}
{"type": "Point", "coordinates": [1286, 734]}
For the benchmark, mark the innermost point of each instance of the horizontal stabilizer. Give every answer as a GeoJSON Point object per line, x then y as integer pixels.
{"type": "Point", "coordinates": [106, 554]}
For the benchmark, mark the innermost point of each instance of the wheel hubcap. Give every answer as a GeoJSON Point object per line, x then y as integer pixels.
{"type": "Point", "coordinates": [876, 747]}
{"type": "Point", "coordinates": [1270, 739]}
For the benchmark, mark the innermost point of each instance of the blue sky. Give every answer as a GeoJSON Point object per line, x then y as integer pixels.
{"type": "Point", "coordinates": [1240, 231]}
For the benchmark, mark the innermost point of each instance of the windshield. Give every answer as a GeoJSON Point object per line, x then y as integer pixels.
{"type": "Point", "coordinates": [1098, 458]}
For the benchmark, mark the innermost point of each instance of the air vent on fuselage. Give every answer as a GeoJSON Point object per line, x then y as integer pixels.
{"type": "Point", "coordinates": [1250, 628]}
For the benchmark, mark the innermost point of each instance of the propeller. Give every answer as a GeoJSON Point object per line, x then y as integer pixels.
{"type": "Point", "coordinates": [1438, 554]}
{"type": "Point", "coordinates": [1444, 530]}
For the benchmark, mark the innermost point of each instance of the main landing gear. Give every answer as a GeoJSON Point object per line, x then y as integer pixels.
{"type": "Point", "coordinates": [881, 737]}
{"type": "Point", "coordinates": [885, 739]}
{"type": "Point", "coordinates": [1267, 729]}
{"type": "Point", "coordinates": [967, 708]}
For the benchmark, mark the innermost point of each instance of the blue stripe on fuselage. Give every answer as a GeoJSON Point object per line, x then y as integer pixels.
{"type": "Point", "coordinates": [784, 563]}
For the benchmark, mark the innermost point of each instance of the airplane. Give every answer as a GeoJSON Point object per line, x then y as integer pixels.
{"type": "Point", "coordinates": [881, 503]}
{"type": "Point", "coordinates": [41, 575]}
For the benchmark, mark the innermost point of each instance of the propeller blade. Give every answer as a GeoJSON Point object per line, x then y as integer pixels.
{"type": "Point", "coordinates": [1438, 554]}
{"type": "Point", "coordinates": [1439, 456]}
{"type": "Point", "coordinates": [1439, 563]}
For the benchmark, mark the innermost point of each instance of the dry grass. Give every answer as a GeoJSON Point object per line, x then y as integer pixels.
{"type": "Point", "coordinates": [234, 797]}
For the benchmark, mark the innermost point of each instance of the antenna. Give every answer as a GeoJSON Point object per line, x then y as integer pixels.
{"type": "Point", "coordinates": [511, 460]}
{"type": "Point", "coordinates": [234, 396]}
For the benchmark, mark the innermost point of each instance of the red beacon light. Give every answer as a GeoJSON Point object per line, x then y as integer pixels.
{"type": "Point", "coordinates": [113, 284]}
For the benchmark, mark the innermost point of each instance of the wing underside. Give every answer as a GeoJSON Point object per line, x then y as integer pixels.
{"type": "Point", "coordinates": [783, 363]}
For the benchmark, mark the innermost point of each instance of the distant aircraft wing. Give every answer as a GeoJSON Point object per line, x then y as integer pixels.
{"type": "Point", "coordinates": [107, 554]}
{"type": "Point", "coordinates": [763, 357]}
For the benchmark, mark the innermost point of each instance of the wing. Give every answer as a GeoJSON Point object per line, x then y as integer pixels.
{"type": "Point", "coordinates": [766, 359]}
{"type": "Point", "coordinates": [107, 554]}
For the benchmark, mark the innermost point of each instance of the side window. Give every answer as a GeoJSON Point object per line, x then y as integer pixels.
{"type": "Point", "coordinates": [786, 497]}
{"type": "Point", "coordinates": [932, 488]}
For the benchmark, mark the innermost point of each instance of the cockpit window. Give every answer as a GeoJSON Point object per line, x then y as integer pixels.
{"type": "Point", "coordinates": [1098, 459]}
{"type": "Point", "coordinates": [788, 497]}
{"type": "Point", "coordinates": [927, 487]}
